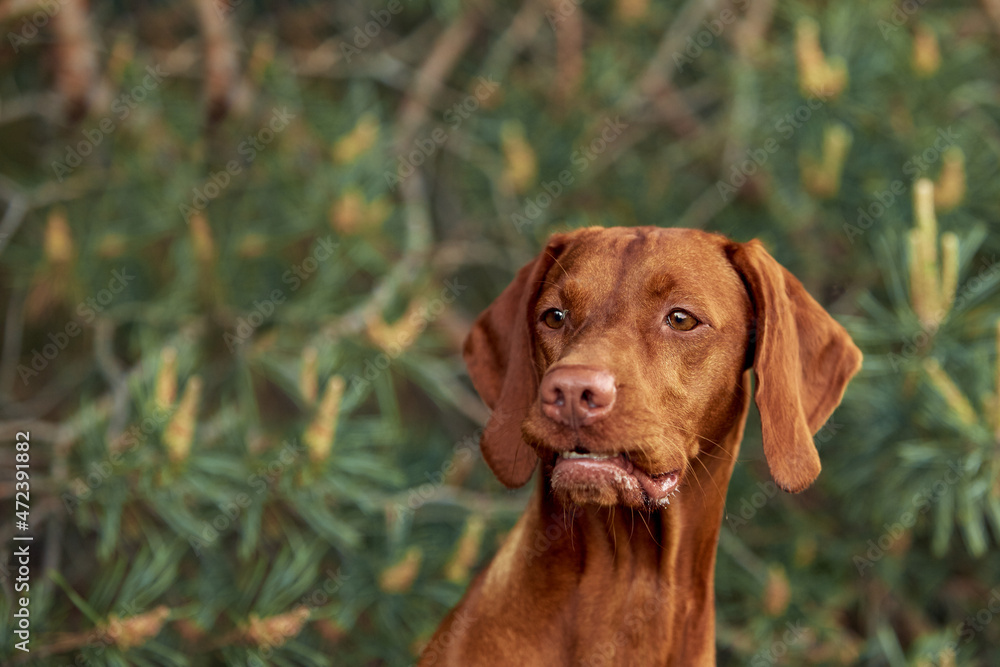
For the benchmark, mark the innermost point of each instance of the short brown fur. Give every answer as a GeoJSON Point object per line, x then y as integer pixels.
{"type": "Point", "coordinates": [600, 572]}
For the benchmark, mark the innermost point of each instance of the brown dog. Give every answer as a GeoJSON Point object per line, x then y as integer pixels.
{"type": "Point", "coordinates": [620, 359]}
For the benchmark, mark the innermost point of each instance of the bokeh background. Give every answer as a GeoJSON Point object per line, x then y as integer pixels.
{"type": "Point", "coordinates": [241, 243]}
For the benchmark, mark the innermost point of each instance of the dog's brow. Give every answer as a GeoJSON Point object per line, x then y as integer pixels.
{"type": "Point", "coordinates": [575, 294]}
{"type": "Point", "coordinates": [662, 286]}
{"type": "Point", "coordinates": [659, 285]}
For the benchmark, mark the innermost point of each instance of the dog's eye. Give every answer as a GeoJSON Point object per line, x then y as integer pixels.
{"type": "Point", "coordinates": [554, 318]}
{"type": "Point", "coordinates": [681, 320]}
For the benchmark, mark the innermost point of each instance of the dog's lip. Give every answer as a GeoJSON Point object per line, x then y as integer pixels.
{"type": "Point", "coordinates": [658, 487]}
{"type": "Point", "coordinates": [589, 456]}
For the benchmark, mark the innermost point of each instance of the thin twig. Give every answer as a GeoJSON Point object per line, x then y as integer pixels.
{"type": "Point", "coordinates": [76, 58]}
{"type": "Point", "coordinates": [749, 34]}
{"type": "Point", "coordinates": [992, 8]}
{"type": "Point", "coordinates": [222, 76]}
{"type": "Point", "coordinates": [12, 336]}
{"type": "Point", "coordinates": [515, 38]}
{"type": "Point", "coordinates": [17, 208]}
{"type": "Point", "coordinates": [114, 374]}
{"type": "Point", "coordinates": [429, 79]}
{"type": "Point", "coordinates": [569, 54]}
{"type": "Point", "coordinates": [40, 430]}
{"type": "Point", "coordinates": [50, 395]}
{"type": "Point", "coordinates": [660, 69]}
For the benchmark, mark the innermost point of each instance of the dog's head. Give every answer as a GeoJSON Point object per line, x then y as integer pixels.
{"type": "Point", "coordinates": [618, 354]}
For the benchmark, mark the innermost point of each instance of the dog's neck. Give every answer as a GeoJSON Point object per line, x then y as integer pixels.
{"type": "Point", "coordinates": [609, 586]}
{"type": "Point", "coordinates": [607, 579]}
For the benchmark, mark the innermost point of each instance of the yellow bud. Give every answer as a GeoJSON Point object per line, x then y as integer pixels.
{"type": "Point", "coordinates": [926, 54]}
{"type": "Point", "coordinates": [356, 142]}
{"type": "Point", "coordinates": [920, 297]}
{"type": "Point", "coordinates": [308, 381]}
{"type": "Point", "coordinates": [923, 205]}
{"type": "Point", "coordinates": [949, 391]}
{"type": "Point", "coordinates": [136, 630]}
{"type": "Point", "coordinates": [261, 57]}
{"type": "Point", "coordinates": [631, 11]}
{"type": "Point", "coordinates": [808, 52]}
{"type": "Point", "coordinates": [467, 550]}
{"type": "Point", "coordinates": [401, 334]}
{"type": "Point", "coordinates": [201, 238]}
{"type": "Point", "coordinates": [823, 180]}
{"type": "Point", "coordinates": [112, 245]}
{"type": "Point", "coordinates": [949, 191]}
{"type": "Point", "coordinates": [925, 282]}
{"type": "Point", "coordinates": [252, 245]}
{"type": "Point", "coordinates": [347, 213]}
{"type": "Point", "coordinates": [320, 435]}
{"type": "Point", "coordinates": [166, 379]}
{"type": "Point", "coordinates": [949, 271]}
{"type": "Point", "coordinates": [399, 578]}
{"type": "Point", "coordinates": [180, 430]}
{"type": "Point", "coordinates": [520, 165]}
{"type": "Point", "coordinates": [58, 243]}
{"type": "Point", "coordinates": [946, 658]}
{"type": "Point", "coordinates": [777, 591]}
{"type": "Point", "coordinates": [273, 631]}
{"type": "Point", "coordinates": [352, 214]}
{"type": "Point", "coordinates": [818, 76]}
{"type": "Point", "coordinates": [122, 54]}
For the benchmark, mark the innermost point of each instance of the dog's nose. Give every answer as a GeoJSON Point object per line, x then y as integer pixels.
{"type": "Point", "coordinates": [577, 396]}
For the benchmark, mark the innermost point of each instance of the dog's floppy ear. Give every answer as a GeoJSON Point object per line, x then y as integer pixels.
{"type": "Point", "coordinates": [803, 360]}
{"type": "Point", "coordinates": [499, 353]}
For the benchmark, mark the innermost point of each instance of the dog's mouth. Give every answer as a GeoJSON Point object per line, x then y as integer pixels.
{"type": "Point", "coordinates": [610, 479]}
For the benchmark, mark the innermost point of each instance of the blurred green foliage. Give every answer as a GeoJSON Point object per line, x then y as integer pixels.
{"type": "Point", "coordinates": [242, 242]}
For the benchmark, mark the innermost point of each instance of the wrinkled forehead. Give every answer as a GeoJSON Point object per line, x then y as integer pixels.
{"type": "Point", "coordinates": [637, 266]}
